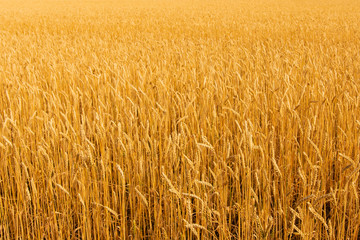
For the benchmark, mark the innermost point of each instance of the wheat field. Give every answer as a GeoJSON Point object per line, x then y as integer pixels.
{"type": "Point", "coordinates": [179, 119]}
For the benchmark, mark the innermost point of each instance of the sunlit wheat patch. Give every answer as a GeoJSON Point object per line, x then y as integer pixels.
{"type": "Point", "coordinates": [179, 119]}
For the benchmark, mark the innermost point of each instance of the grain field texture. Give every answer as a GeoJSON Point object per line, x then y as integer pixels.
{"type": "Point", "coordinates": [179, 119]}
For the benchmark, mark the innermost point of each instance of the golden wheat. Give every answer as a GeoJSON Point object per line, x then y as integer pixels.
{"type": "Point", "coordinates": [179, 119]}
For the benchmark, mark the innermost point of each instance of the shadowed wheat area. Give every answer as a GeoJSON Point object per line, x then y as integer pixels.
{"type": "Point", "coordinates": [179, 119]}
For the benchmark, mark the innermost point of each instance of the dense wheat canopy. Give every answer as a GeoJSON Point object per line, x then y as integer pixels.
{"type": "Point", "coordinates": [179, 119]}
